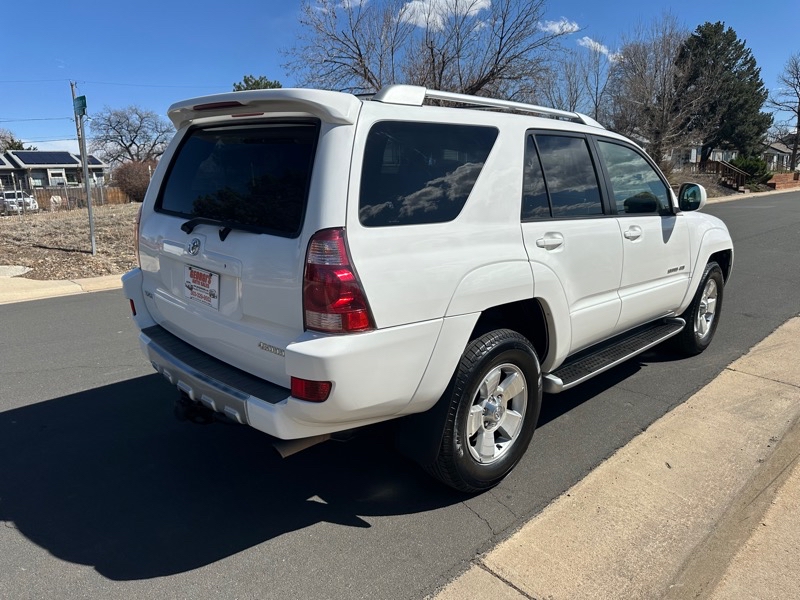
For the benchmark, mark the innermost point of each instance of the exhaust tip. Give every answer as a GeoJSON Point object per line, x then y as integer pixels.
{"type": "Point", "coordinates": [288, 447]}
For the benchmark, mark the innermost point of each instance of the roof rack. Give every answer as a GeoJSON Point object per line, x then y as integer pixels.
{"type": "Point", "coordinates": [414, 95]}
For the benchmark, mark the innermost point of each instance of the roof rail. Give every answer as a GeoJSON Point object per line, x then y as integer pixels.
{"type": "Point", "coordinates": [413, 95]}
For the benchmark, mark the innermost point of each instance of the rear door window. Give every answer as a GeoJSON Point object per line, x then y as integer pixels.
{"type": "Point", "coordinates": [417, 173]}
{"type": "Point", "coordinates": [569, 175]}
{"type": "Point", "coordinates": [255, 176]}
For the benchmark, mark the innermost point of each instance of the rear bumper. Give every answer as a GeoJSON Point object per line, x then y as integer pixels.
{"type": "Point", "coordinates": [375, 375]}
{"type": "Point", "coordinates": [204, 379]}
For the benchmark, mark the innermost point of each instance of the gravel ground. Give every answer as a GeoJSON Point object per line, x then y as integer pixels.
{"type": "Point", "coordinates": [57, 245]}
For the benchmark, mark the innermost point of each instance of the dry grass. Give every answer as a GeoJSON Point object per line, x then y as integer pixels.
{"type": "Point", "coordinates": [57, 245]}
{"type": "Point", "coordinates": [710, 182]}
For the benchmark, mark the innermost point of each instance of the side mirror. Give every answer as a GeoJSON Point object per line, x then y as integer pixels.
{"type": "Point", "coordinates": [692, 196]}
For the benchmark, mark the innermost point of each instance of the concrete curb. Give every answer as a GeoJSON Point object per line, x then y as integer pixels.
{"type": "Point", "coordinates": [18, 289]}
{"type": "Point", "coordinates": [638, 525]}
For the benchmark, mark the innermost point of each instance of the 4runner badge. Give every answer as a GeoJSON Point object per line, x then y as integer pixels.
{"type": "Point", "coordinates": [193, 247]}
{"type": "Point", "coordinates": [272, 349]}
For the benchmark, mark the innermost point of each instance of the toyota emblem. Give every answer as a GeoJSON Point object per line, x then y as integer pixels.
{"type": "Point", "coordinates": [193, 247]}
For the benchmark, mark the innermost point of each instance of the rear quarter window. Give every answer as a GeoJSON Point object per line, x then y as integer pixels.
{"type": "Point", "coordinates": [255, 176]}
{"type": "Point", "coordinates": [417, 173]}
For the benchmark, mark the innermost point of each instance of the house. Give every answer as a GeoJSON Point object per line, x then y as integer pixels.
{"type": "Point", "coordinates": [7, 173]}
{"type": "Point", "coordinates": [778, 155]}
{"type": "Point", "coordinates": [31, 169]}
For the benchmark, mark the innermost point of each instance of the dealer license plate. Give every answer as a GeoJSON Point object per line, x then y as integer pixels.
{"type": "Point", "coordinates": [202, 286]}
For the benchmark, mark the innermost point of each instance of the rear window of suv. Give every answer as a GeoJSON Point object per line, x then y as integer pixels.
{"type": "Point", "coordinates": [417, 173]}
{"type": "Point", "coordinates": [255, 176]}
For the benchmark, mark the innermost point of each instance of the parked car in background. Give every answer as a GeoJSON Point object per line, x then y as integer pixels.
{"type": "Point", "coordinates": [19, 201]}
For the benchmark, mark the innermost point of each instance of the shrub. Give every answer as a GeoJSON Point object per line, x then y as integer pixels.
{"type": "Point", "coordinates": [757, 171]}
{"type": "Point", "coordinates": [133, 178]}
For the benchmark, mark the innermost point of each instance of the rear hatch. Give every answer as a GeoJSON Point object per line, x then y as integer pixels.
{"type": "Point", "coordinates": [221, 239]}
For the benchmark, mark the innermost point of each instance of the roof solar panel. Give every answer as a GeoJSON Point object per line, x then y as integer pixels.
{"type": "Point", "coordinates": [46, 158]}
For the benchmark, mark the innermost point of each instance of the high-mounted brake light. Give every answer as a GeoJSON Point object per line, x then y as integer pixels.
{"type": "Point", "coordinates": [333, 299]}
{"type": "Point", "coordinates": [215, 105]}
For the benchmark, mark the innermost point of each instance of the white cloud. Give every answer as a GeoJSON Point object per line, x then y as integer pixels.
{"type": "Point", "coordinates": [596, 46]}
{"type": "Point", "coordinates": [61, 145]}
{"type": "Point", "coordinates": [434, 13]}
{"type": "Point", "coordinates": [559, 27]}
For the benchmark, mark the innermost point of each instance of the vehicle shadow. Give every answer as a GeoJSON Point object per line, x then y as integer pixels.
{"type": "Point", "coordinates": [76, 250]}
{"type": "Point", "coordinates": [108, 478]}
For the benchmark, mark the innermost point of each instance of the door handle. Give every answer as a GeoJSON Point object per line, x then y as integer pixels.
{"type": "Point", "coordinates": [550, 241]}
{"type": "Point", "coordinates": [634, 233]}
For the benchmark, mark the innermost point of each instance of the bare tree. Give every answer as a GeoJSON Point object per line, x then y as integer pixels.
{"type": "Point", "coordinates": [650, 99]}
{"type": "Point", "coordinates": [471, 46]}
{"type": "Point", "coordinates": [563, 88]}
{"type": "Point", "coordinates": [787, 99]}
{"type": "Point", "coordinates": [8, 141]}
{"type": "Point", "coordinates": [578, 79]}
{"type": "Point", "coordinates": [129, 134]}
{"type": "Point", "coordinates": [596, 70]}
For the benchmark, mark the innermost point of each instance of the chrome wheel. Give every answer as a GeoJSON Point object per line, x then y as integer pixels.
{"type": "Point", "coordinates": [707, 310]}
{"type": "Point", "coordinates": [497, 412]}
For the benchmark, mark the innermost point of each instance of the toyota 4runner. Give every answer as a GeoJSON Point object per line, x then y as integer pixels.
{"type": "Point", "coordinates": [313, 262]}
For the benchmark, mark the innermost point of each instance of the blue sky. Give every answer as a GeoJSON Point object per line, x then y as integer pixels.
{"type": "Point", "coordinates": [153, 53]}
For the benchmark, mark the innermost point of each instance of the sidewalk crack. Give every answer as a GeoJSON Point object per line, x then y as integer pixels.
{"type": "Point", "coordinates": [788, 383]}
{"type": "Point", "coordinates": [514, 587]}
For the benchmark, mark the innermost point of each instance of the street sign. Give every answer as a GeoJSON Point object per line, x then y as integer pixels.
{"type": "Point", "coordinates": [79, 104]}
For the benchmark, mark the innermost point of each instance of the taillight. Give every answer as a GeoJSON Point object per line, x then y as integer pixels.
{"type": "Point", "coordinates": [136, 234]}
{"type": "Point", "coordinates": [333, 299]}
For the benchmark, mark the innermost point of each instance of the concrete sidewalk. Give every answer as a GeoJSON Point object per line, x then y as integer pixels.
{"type": "Point", "coordinates": [703, 504]}
{"type": "Point", "coordinates": [19, 289]}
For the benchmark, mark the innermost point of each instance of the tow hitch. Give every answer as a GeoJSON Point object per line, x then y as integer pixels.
{"type": "Point", "coordinates": [195, 412]}
{"type": "Point", "coordinates": [187, 409]}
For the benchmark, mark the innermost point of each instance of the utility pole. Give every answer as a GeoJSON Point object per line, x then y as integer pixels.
{"type": "Point", "coordinates": [77, 118]}
{"type": "Point", "coordinates": [79, 106]}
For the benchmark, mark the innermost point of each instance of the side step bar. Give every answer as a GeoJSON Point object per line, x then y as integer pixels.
{"type": "Point", "coordinates": [594, 361]}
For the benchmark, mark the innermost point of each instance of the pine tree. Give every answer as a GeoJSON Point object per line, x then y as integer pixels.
{"type": "Point", "coordinates": [717, 60]}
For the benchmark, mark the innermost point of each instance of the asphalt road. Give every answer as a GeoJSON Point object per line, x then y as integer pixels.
{"type": "Point", "coordinates": [103, 494]}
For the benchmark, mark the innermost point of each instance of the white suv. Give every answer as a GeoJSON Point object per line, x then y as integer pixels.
{"type": "Point", "coordinates": [18, 202]}
{"type": "Point", "coordinates": [312, 262]}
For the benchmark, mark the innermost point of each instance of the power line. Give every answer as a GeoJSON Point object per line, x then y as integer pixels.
{"type": "Point", "coordinates": [32, 80]}
{"type": "Point", "coordinates": [39, 119]}
{"type": "Point", "coordinates": [142, 85]}
{"type": "Point", "coordinates": [153, 85]}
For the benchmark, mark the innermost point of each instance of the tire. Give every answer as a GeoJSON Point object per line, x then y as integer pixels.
{"type": "Point", "coordinates": [703, 313]}
{"type": "Point", "coordinates": [486, 434]}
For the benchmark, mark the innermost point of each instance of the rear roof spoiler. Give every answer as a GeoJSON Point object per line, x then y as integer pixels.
{"type": "Point", "coordinates": [332, 107]}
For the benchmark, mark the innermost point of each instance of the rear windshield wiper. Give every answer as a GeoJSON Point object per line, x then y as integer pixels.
{"type": "Point", "coordinates": [225, 226]}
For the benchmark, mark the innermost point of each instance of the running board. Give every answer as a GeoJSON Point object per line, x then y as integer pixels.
{"type": "Point", "coordinates": [594, 361]}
